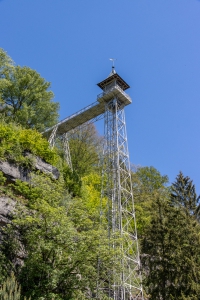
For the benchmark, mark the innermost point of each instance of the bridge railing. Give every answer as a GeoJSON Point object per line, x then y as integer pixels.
{"type": "Point", "coordinates": [114, 87]}
{"type": "Point", "coordinates": [74, 115]}
{"type": "Point", "coordinates": [79, 112]}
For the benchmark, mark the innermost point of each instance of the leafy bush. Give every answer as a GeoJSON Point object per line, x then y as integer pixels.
{"type": "Point", "coordinates": [14, 141]}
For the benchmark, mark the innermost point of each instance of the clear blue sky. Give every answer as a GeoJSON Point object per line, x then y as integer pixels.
{"type": "Point", "coordinates": [157, 46]}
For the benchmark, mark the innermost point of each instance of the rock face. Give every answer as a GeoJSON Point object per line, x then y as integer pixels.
{"type": "Point", "coordinates": [7, 206]}
{"type": "Point", "coordinates": [13, 172]}
{"type": "Point", "coordinates": [46, 168]}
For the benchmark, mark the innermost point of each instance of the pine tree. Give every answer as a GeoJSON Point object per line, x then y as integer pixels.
{"type": "Point", "coordinates": [170, 254]}
{"type": "Point", "coordinates": [184, 195]}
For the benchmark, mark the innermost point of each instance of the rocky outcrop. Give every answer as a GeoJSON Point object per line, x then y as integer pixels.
{"type": "Point", "coordinates": [44, 167]}
{"type": "Point", "coordinates": [13, 172]}
{"type": "Point", "coordinates": [7, 206]}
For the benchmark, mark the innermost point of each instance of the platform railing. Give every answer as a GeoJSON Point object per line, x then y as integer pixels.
{"type": "Point", "coordinates": [116, 86]}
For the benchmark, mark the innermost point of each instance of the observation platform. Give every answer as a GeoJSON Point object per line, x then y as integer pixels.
{"type": "Point", "coordinates": [94, 110]}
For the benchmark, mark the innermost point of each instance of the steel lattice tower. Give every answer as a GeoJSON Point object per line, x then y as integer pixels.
{"type": "Point", "coordinates": [124, 281]}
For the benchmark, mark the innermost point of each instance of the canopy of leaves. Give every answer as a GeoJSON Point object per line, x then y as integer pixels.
{"type": "Point", "coordinates": [25, 96]}
{"type": "Point", "coordinates": [151, 179]}
{"type": "Point", "coordinates": [14, 141]}
{"type": "Point", "coordinates": [61, 233]}
{"type": "Point", "coordinates": [170, 243]}
{"type": "Point", "coordinates": [62, 238]}
{"type": "Point", "coordinates": [6, 66]}
{"type": "Point", "coordinates": [147, 184]}
{"type": "Point", "coordinates": [85, 148]}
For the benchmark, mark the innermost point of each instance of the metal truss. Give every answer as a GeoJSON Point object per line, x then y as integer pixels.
{"type": "Point", "coordinates": [124, 280]}
{"type": "Point", "coordinates": [52, 137]}
{"type": "Point", "coordinates": [91, 112]}
{"type": "Point", "coordinates": [66, 150]}
{"type": "Point", "coordinates": [64, 138]}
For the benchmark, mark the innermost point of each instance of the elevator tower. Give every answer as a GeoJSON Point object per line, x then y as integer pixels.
{"type": "Point", "coordinates": [124, 282]}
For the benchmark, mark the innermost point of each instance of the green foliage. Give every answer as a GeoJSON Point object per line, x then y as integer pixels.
{"type": "Point", "coordinates": [61, 236]}
{"type": "Point", "coordinates": [10, 289]}
{"type": "Point", "coordinates": [85, 146]}
{"type": "Point", "coordinates": [5, 62]}
{"type": "Point", "coordinates": [2, 178]}
{"type": "Point", "coordinates": [170, 258]}
{"type": "Point", "coordinates": [92, 192]}
{"type": "Point", "coordinates": [15, 141]}
{"type": "Point", "coordinates": [42, 186]}
{"type": "Point", "coordinates": [6, 66]}
{"type": "Point", "coordinates": [72, 181]}
{"type": "Point", "coordinates": [3, 263]}
{"type": "Point", "coordinates": [183, 194]}
{"type": "Point", "coordinates": [25, 97]}
{"type": "Point", "coordinates": [151, 179]}
{"type": "Point", "coordinates": [62, 239]}
{"type": "Point", "coordinates": [148, 184]}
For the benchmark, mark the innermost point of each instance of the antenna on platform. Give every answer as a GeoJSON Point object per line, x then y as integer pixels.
{"type": "Point", "coordinates": [113, 61]}
{"type": "Point", "coordinates": [113, 65]}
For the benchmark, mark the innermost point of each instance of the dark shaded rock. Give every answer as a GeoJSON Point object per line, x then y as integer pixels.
{"type": "Point", "coordinates": [7, 206]}
{"type": "Point", "coordinates": [10, 170]}
{"type": "Point", "coordinates": [7, 209]}
{"type": "Point", "coordinates": [44, 167]}
{"type": "Point", "coordinates": [13, 172]}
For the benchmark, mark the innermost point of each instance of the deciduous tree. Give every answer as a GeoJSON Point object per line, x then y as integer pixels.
{"type": "Point", "coordinates": [85, 147]}
{"type": "Point", "coordinates": [25, 96]}
{"type": "Point", "coordinates": [148, 183]}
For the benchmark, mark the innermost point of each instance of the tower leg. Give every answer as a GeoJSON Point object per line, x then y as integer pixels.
{"type": "Point", "coordinates": [52, 137]}
{"type": "Point", "coordinates": [125, 278]}
{"type": "Point", "coordinates": [67, 150]}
